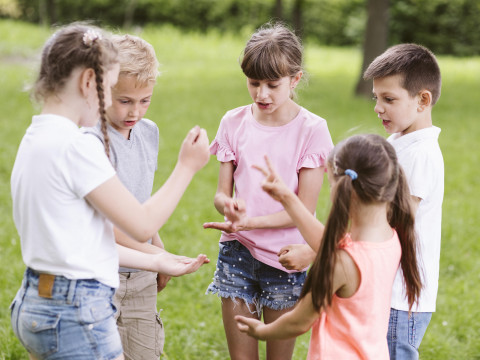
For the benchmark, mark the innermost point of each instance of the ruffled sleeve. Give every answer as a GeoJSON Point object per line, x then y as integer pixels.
{"type": "Point", "coordinates": [223, 152]}
{"type": "Point", "coordinates": [312, 161]}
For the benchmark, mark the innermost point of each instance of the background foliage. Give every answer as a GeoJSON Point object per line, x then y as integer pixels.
{"type": "Point", "coordinates": [445, 26]}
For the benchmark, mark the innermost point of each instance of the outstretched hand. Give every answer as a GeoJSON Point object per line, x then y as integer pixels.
{"type": "Point", "coordinates": [176, 265]}
{"type": "Point", "coordinates": [249, 326]}
{"type": "Point", "coordinates": [273, 184]}
{"type": "Point", "coordinates": [236, 214]}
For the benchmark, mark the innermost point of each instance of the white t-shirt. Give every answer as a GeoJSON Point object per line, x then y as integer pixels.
{"type": "Point", "coordinates": [55, 168]}
{"type": "Point", "coordinates": [421, 159]}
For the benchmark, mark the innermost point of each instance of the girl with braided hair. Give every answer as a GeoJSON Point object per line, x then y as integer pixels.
{"type": "Point", "coordinates": [369, 232]}
{"type": "Point", "coordinates": [66, 197]}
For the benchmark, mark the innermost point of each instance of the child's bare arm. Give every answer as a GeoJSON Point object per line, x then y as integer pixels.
{"type": "Point", "coordinates": [164, 262]}
{"type": "Point", "coordinates": [142, 221]}
{"type": "Point", "coordinates": [309, 226]}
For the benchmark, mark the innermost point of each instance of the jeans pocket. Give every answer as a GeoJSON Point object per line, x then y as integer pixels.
{"type": "Point", "coordinates": [159, 335]}
{"type": "Point", "coordinates": [227, 247]}
{"type": "Point", "coordinates": [39, 332]}
{"type": "Point", "coordinates": [417, 325]}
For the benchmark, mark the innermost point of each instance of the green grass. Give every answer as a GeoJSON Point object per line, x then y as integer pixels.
{"type": "Point", "coordinates": [201, 79]}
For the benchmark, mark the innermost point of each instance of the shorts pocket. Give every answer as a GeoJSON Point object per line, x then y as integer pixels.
{"type": "Point", "coordinates": [39, 332]}
{"type": "Point", "coordinates": [227, 247]}
{"type": "Point", "coordinates": [159, 335]}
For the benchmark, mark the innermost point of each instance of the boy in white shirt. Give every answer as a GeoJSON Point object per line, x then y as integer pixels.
{"type": "Point", "coordinates": [406, 86]}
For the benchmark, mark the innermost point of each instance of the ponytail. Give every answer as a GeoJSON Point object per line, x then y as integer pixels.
{"type": "Point", "coordinates": [320, 277]}
{"type": "Point", "coordinates": [402, 219]}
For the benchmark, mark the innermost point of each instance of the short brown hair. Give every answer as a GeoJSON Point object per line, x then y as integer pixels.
{"type": "Point", "coordinates": [415, 63]}
{"type": "Point", "coordinates": [272, 52]}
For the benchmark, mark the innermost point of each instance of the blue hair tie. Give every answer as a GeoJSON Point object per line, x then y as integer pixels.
{"type": "Point", "coordinates": [351, 173]}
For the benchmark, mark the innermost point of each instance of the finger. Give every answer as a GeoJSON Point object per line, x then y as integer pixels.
{"type": "Point", "coordinates": [195, 265]}
{"type": "Point", "coordinates": [203, 137]}
{"type": "Point", "coordinates": [283, 251]}
{"type": "Point", "coordinates": [261, 169]}
{"type": "Point", "coordinates": [269, 163]}
{"type": "Point", "coordinates": [241, 205]}
{"type": "Point", "coordinates": [217, 225]}
{"type": "Point", "coordinates": [193, 134]}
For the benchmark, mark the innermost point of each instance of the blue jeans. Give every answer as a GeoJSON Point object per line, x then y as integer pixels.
{"type": "Point", "coordinates": [240, 276]}
{"type": "Point", "coordinates": [76, 322]}
{"type": "Point", "coordinates": [405, 333]}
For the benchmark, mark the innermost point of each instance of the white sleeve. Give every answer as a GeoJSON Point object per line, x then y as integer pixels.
{"type": "Point", "coordinates": [87, 165]}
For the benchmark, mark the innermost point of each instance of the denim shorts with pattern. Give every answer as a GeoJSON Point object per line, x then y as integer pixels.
{"type": "Point", "coordinates": [240, 276]}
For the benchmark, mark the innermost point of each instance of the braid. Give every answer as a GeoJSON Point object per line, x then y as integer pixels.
{"type": "Point", "coordinates": [101, 97]}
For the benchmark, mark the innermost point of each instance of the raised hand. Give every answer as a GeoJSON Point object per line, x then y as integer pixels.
{"type": "Point", "coordinates": [195, 153]}
{"type": "Point", "coordinates": [273, 184]}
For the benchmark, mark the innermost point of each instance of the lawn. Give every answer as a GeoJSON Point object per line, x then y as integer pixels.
{"type": "Point", "coordinates": [200, 81]}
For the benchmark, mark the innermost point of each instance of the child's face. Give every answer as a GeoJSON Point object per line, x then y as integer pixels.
{"type": "Point", "coordinates": [90, 118]}
{"type": "Point", "coordinates": [397, 109]}
{"type": "Point", "coordinates": [270, 95]}
{"type": "Point", "coordinates": [129, 104]}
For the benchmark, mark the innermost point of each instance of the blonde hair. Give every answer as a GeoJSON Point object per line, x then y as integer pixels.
{"type": "Point", "coordinates": [137, 59]}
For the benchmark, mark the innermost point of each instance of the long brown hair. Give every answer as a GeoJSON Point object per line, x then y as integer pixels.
{"type": "Point", "coordinates": [380, 179]}
{"type": "Point", "coordinates": [65, 51]}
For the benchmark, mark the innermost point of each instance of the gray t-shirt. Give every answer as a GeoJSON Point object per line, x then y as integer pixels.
{"type": "Point", "coordinates": [134, 159]}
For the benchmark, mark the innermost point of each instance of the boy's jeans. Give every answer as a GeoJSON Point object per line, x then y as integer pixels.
{"type": "Point", "coordinates": [406, 333]}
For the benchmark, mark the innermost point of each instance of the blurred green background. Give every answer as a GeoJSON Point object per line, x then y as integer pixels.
{"type": "Point", "coordinates": [201, 80]}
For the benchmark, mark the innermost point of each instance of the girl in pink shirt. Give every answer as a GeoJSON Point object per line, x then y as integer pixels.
{"type": "Point", "coordinates": [369, 232]}
{"type": "Point", "coordinates": [251, 278]}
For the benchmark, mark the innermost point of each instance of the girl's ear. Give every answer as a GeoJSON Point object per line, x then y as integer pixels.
{"type": "Point", "coordinates": [87, 81]}
{"type": "Point", "coordinates": [424, 99]}
{"type": "Point", "coordinates": [296, 79]}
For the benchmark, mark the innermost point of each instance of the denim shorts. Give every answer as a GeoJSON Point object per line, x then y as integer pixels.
{"type": "Point", "coordinates": [240, 276]}
{"type": "Point", "coordinates": [77, 322]}
{"type": "Point", "coordinates": [405, 333]}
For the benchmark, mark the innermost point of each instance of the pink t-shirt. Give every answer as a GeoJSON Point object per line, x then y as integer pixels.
{"type": "Point", "coordinates": [302, 143]}
{"type": "Point", "coordinates": [356, 327]}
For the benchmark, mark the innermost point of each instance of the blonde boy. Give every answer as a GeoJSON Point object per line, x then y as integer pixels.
{"type": "Point", "coordinates": [406, 86]}
{"type": "Point", "coordinates": [133, 152]}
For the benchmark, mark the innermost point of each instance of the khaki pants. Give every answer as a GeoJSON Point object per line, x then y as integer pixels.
{"type": "Point", "coordinates": [139, 324]}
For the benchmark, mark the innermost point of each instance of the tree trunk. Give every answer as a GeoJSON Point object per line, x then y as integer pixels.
{"type": "Point", "coordinates": [376, 40]}
{"type": "Point", "coordinates": [278, 10]}
{"type": "Point", "coordinates": [129, 13]}
{"type": "Point", "coordinates": [46, 12]}
{"type": "Point", "coordinates": [298, 6]}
